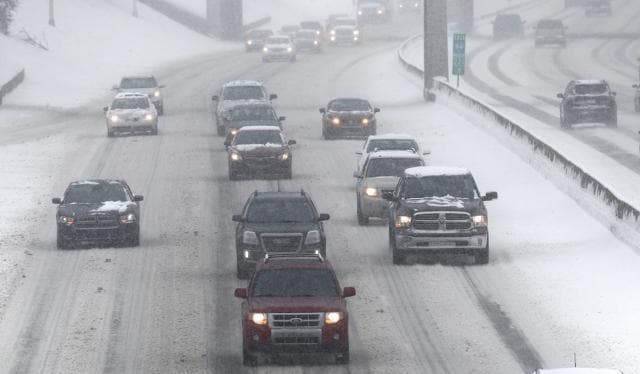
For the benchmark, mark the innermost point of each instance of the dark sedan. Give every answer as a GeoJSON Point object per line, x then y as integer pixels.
{"type": "Point", "coordinates": [348, 116]}
{"type": "Point", "coordinates": [260, 151]}
{"type": "Point", "coordinates": [98, 211]}
{"type": "Point", "coordinates": [308, 40]}
{"type": "Point", "coordinates": [254, 39]}
{"type": "Point", "coordinates": [258, 113]}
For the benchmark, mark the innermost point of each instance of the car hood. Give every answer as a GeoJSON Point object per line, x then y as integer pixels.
{"type": "Point", "coordinates": [439, 203]}
{"type": "Point", "coordinates": [130, 113]}
{"type": "Point", "coordinates": [259, 149]}
{"type": "Point", "coordinates": [147, 90]}
{"type": "Point", "coordinates": [230, 104]}
{"type": "Point", "coordinates": [387, 183]}
{"type": "Point", "coordinates": [107, 207]}
{"type": "Point", "coordinates": [350, 113]}
{"type": "Point", "coordinates": [296, 304]}
{"type": "Point", "coordinates": [238, 124]}
{"type": "Point", "coordinates": [284, 227]}
{"type": "Point", "coordinates": [278, 45]}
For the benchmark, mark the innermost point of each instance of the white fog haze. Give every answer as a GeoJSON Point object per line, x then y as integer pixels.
{"type": "Point", "coordinates": [140, 233]}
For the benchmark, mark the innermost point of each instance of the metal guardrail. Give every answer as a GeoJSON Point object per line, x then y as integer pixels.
{"type": "Point", "coordinates": [622, 209]}
{"type": "Point", "coordinates": [11, 85]}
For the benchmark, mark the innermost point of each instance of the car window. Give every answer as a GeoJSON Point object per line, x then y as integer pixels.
{"type": "Point", "coordinates": [349, 105]}
{"type": "Point", "coordinates": [387, 167]}
{"type": "Point", "coordinates": [294, 283]}
{"type": "Point", "coordinates": [461, 186]}
{"type": "Point", "coordinates": [391, 145]}
{"type": "Point", "coordinates": [95, 193]}
{"type": "Point", "coordinates": [590, 89]}
{"type": "Point", "coordinates": [306, 34]}
{"type": "Point", "coordinates": [253, 113]}
{"type": "Point", "coordinates": [147, 82]}
{"type": "Point", "coordinates": [258, 137]}
{"type": "Point", "coordinates": [130, 103]}
{"type": "Point", "coordinates": [243, 93]}
{"type": "Point", "coordinates": [280, 210]}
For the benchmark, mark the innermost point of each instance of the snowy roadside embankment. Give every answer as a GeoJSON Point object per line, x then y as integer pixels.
{"type": "Point", "coordinates": [614, 185]}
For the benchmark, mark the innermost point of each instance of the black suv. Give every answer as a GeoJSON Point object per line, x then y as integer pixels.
{"type": "Point", "coordinates": [348, 116]}
{"type": "Point", "coordinates": [438, 210]}
{"type": "Point", "coordinates": [260, 150]}
{"type": "Point", "coordinates": [102, 211]}
{"type": "Point", "coordinates": [252, 113]}
{"type": "Point", "coordinates": [588, 101]}
{"type": "Point", "coordinates": [550, 31]}
{"type": "Point", "coordinates": [277, 222]}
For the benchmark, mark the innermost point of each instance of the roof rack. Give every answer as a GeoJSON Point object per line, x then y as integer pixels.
{"type": "Point", "coordinates": [283, 256]}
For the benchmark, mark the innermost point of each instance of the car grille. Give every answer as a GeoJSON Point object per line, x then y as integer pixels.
{"type": "Point", "coordinates": [295, 320]}
{"type": "Point", "coordinates": [97, 221]}
{"type": "Point", "coordinates": [277, 50]}
{"type": "Point", "coordinates": [442, 221]}
{"type": "Point", "coordinates": [261, 161]}
{"type": "Point", "coordinates": [281, 242]}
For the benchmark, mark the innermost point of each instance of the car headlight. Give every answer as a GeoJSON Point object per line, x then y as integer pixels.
{"type": "Point", "coordinates": [332, 32]}
{"type": "Point", "coordinates": [403, 221]}
{"type": "Point", "coordinates": [284, 156]}
{"type": "Point", "coordinates": [333, 38]}
{"type": "Point", "coordinates": [233, 131]}
{"type": "Point", "coordinates": [479, 221]}
{"type": "Point", "coordinates": [315, 42]}
{"type": "Point", "coordinates": [355, 38]}
{"type": "Point", "coordinates": [156, 93]}
{"type": "Point", "coordinates": [128, 218]}
{"type": "Point", "coordinates": [235, 156]}
{"type": "Point", "coordinates": [249, 237]}
{"type": "Point", "coordinates": [356, 32]}
{"type": "Point", "coordinates": [380, 11]}
{"type": "Point", "coordinates": [365, 121]}
{"type": "Point", "coordinates": [259, 318]}
{"type": "Point", "coordinates": [66, 220]}
{"type": "Point", "coordinates": [114, 118]}
{"type": "Point", "coordinates": [313, 237]}
{"type": "Point", "coordinates": [332, 318]}
{"type": "Point", "coordinates": [148, 117]}
{"type": "Point", "coordinates": [335, 120]}
{"type": "Point", "coordinates": [265, 49]}
{"type": "Point", "coordinates": [317, 32]}
{"type": "Point", "coordinates": [289, 49]}
{"type": "Point", "coordinates": [249, 42]}
{"type": "Point", "coordinates": [371, 191]}
{"type": "Point", "coordinates": [359, 12]}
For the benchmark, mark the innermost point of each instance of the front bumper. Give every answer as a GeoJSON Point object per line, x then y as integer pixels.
{"type": "Point", "coordinates": [350, 128]}
{"type": "Point", "coordinates": [278, 55]}
{"type": "Point", "coordinates": [249, 255]}
{"type": "Point", "coordinates": [551, 40]}
{"type": "Point", "coordinates": [591, 113]}
{"type": "Point", "coordinates": [132, 125]}
{"type": "Point", "coordinates": [261, 166]}
{"type": "Point", "coordinates": [267, 340]}
{"type": "Point", "coordinates": [120, 233]}
{"type": "Point", "coordinates": [344, 39]}
{"type": "Point", "coordinates": [449, 243]}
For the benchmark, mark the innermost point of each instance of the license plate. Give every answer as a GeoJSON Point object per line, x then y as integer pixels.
{"type": "Point", "coordinates": [439, 244]}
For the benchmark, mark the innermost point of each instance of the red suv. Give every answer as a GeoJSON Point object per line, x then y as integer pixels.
{"type": "Point", "coordinates": [294, 304]}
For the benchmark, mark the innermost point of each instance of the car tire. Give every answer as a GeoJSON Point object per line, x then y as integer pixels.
{"type": "Point", "coordinates": [241, 271]}
{"type": "Point", "coordinates": [265, 60]}
{"type": "Point", "coordinates": [61, 243]}
{"type": "Point", "coordinates": [397, 257]}
{"type": "Point", "coordinates": [135, 240]}
{"type": "Point", "coordinates": [160, 110]}
{"type": "Point", "coordinates": [343, 358]}
{"type": "Point", "coordinates": [613, 119]}
{"type": "Point", "coordinates": [289, 173]}
{"type": "Point", "coordinates": [221, 131]}
{"type": "Point", "coordinates": [292, 59]}
{"type": "Point", "coordinates": [482, 256]}
{"type": "Point", "coordinates": [154, 131]}
{"type": "Point", "coordinates": [326, 134]}
{"type": "Point", "coordinates": [248, 359]}
{"type": "Point", "coordinates": [110, 133]}
{"type": "Point", "coordinates": [233, 175]}
{"type": "Point", "coordinates": [362, 219]}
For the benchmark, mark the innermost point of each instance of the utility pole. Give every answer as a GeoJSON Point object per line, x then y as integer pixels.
{"type": "Point", "coordinates": [436, 51]}
{"type": "Point", "coordinates": [52, 21]}
{"type": "Point", "coordinates": [135, 8]}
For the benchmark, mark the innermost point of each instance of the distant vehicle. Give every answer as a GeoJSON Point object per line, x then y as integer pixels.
{"type": "Point", "coordinates": [636, 98]}
{"type": "Point", "coordinates": [257, 113]}
{"type": "Point", "coordinates": [313, 25]}
{"type": "Point", "coordinates": [278, 48]}
{"type": "Point", "coordinates": [147, 85]}
{"type": "Point", "coordinates": [277, 222]}
{"type": "Point", "coordinates": [98, 211]}
{"type": "Point", "coordinates": [131, 112]}
{"type": "Point", "coordinates": [294, 304]}
{"type": "Point", "coordinates": [576, 370]}
{"type": "Point", "coordinates": [254, 39]}
{"type": "Point", "coordinates": [344, 31]}
{"type": "Point", "coordinates": [234, 93]}
{"type": "Point", "coordinates": [289, 30]}
{"type": "Point", "coordinates": [570, 3]}
{"type": "Point", "coordinates": [507, 26]}
{"type": "Point", "coordinates": [409, 5]}
{"type": "Point", "coordinates": [438, 210]}
{"type": "Point", "coordinates": [260, 150]}
{"type": "Point", "coordinates": [382, 170]}
{"type": "Point", "coordinates": [308, 40]}
{"type": "Point", "coordinates": [330, 21]}
{"type": "Point", "coordinates": [550, 31]}
{"type": "Point", "coordinates": [588, 101]}
{"type": "Point", "coordinates": [373, 11]}
{"type": "Point", "coordinates": [348, 116]}
{"type": "Point", "coordinates": [387, 142]}
{"type": "Point", "coordinates": [598, 8]}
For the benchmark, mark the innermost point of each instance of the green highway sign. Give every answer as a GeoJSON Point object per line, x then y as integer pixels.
{"type": "Point", "coordinates": [459, 41]}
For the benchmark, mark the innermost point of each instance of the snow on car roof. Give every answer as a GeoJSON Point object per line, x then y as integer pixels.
{"type": "Point", "coordinates": [394, 154]}
{"type": "Point", "coordinates": [252, 103]}
{"type": "Point", "coordinates": [126, 95]}
{"type": "Point", "coordinates": [589, 81]}
{"type": "Point", "coordinates": [242, 83]}
{"type": "Point", "coordinates": [391, 136]}
{"type": "Point", "coordinates": [259, 128]}
{"type": "Point", "coordinates": [96, 181]}
{"type": "Point", "coordinates": [428, 171]}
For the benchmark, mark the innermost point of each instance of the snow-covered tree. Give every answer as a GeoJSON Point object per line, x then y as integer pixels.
{"type": "Point", "coordinates": [6, 14]}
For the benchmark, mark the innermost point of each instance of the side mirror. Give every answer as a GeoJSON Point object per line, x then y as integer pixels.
{"type": "Point", "coordinates": [426, 152]}
{"type": "Point", "coordinates": [227, 143]}
{"type": "Point", "coordinates": [376, 110]}
{"type": "Point", "coordinates": [56, 200]}
{"type": "Point", "coordinates": [236, 218]}
{"type": "Point", "coordinates": [115, 88]}
{"type": "Point", "coordinates": [241, 293]}
{"type": "Point", "coordinates": [348, 291]}
{"type": "Point", "coordinates": [273, 97]}
{"type": "Point", "coordinates": [322, 110]}
{"type": "Point", "coordinates": [104, 109]}
{"type": "Point", "coordinates": [291, 142]}
{"type": "Point", "coordinates": [281, 118]}
{"type": "Point", "coordinates": [560, 96]}
{"type": "Point", "coordinates": [490, 196]}
{"type": "Point", "coordinates": [359, 153]}
{"type": "Point", "coordinates": [323, 217]}
{"type": "Point", "coordinates": [357, 174]}
{"type": "Point", "coordinates": [138, 197]}
{"type": "Point", "coordinates": [214, 98]}
{"type": "Point", "coordinates": [388, 195]}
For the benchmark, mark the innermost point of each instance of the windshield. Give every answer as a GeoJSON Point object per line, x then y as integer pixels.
{"type": "Point", "coordinates": [590, 89]}
{"type": "Point", "coordinates": [280, 210]}
{"type": "Point", "coordinates": [149, 82]}
{"type": "Point", "coordinates": [391, 145]}
{"type": "Point", "coordinates": [95, 193]}
{"type": "Point", "coordinates": [347, 105]}
{"type": "Point", "coordinates": [390, 167]}
{"type": "Point", "coordinates": [258, 137]}
{"type": "Point", "coordinates": [278, 41]}
{"type": "Point", "coordinates": [306, 34]}
{"type": "Point", "coordinates": [310, 25]}
{"type": "Point", "coordinates": [461, 186]}
{"type": "Point", "coordinates": [130, 103]}
{"type": "Point", "coordinates": [295, 283]}
{"type": "Point", "coordinates": [253, 113]}
{"type": "Point", "coordinates": [243, 93]}
{"type": "Point", "coordinates": [259, 33]}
